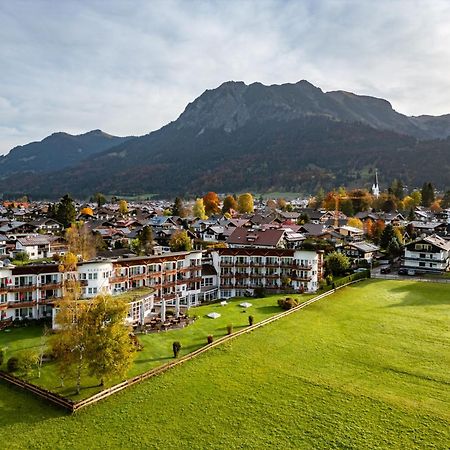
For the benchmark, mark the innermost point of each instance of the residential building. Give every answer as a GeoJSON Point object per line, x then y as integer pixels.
{"type": "Point", "coordinates": [429, 254]}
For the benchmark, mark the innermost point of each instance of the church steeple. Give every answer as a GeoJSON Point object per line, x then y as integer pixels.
{"type": "Point", "coordinates": [375, 186]}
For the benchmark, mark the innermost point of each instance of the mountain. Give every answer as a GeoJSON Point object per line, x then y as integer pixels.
{"type": "Point", "coordinates": [56, 152]}
{"type": "Point", "coordinates": [290, 137]}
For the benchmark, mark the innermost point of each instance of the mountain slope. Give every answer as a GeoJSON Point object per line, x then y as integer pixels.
{"type": "Point", "coordinates": [291, 137]}
{"type": "Point", "coordinates": [56, 152]}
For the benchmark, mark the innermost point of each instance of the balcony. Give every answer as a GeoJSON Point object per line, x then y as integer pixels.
{"type": "Point", "coordinates": [118, 279]}
{"type": "Point", "coordinates": [22, 304]}
{"type": "Point", "coordinates": [299, 267]}
{"type": "Point", "coordinates": [51, 285]}
{"type": "Point", "coordinates": [22, 288]}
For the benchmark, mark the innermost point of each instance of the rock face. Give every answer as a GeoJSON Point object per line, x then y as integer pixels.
{"type": "Point", "coordinates": [233, 104]}
{"type": "Point", "coordinates": [290, 137]}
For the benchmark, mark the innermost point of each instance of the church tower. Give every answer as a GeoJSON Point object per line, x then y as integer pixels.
{"type": "Point", "coordinates": [375, 187]}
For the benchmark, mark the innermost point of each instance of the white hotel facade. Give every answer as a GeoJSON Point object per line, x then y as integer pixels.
{"type": "Point", "coordinates": [179, 280]}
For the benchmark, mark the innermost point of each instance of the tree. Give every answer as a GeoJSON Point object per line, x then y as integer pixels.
{"type": "Point", "coordinates": [445, 202]}
{"type": "Point", "coordinates": [178, 208]}
{"type": "Point", "coordinates": [199, 209]}
{"type": "Point", "coordinates": [109, 349]}
{"type": "Point", "coordinates": [123, 207]}
{"type": "Point", "coordinates": [145, 238]}
{"type": "Point", "coordinates": [427, 194]}
{"type": "Point", "coordinates": [229, 204]}
{"type": "Point", "coordinates": [281, 203]}
{"type": "Point", "coordinates": [394, 248]}
{"type": "Point", "coordinates": [65, 211]}
{"type": "Point", "coordinates": [386, 236]}
{"type": "Point", "coordinates": [100, 199]}
{"type": "Point", "coordinates": [368, 228]}
{"type": "Point", "coordinates": [377, 229]}
{"type": "Point", "coordinates": [81, 240]}
{"type": "Point", "coordinates": [417, 198]}
{"type": "Point", "coordinates": [271, 204]}
{"type": "Point", "coordinates": [319, 198]}
{"type": "Point", "coordinates": [397, 189]}
{"type": "Point", "coordinates": [390, 204]}
{"type": "Point", "coordinates": [361, 200]}
{"type": "Point", "coordinates": [435, 207]}
{"type": "Point", "coordinates": [355, 223]}
{"type": "Point", "coordinates": [69, 343]}
{"type": "Point", "coordinates": [303, 218]}
{"type": "Point", "coordinates": [180, 241]}
{"type": "Point", "coordinates": [42, 348]}
{"type": "Point", "coordinates": [211, 202]}
{"type": "Point", "coordinates": [22, 256]}
{"type": "Point", "coordinates": [346, 206]}
{"type": "Point", "coordinates": [28, 360]}
{"type": "Point", "coordinates": [87, 211]}
{"type": "Point", "coordinates": [245, 203]}
{"type": "Point", "coordinates": [337, 263]}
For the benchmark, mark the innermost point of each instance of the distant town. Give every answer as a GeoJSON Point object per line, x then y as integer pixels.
{"type": "Point", "coordinates": [215, 247]}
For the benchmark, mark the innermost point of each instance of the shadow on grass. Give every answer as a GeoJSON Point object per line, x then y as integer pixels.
{"type": "Point", "coordinates": [159, 358]}
{"type": "Point", "coordinates": [19, 407]}
{"type": "Point", "coordinates": [268, 309]}
{"type": "Point", "coordinates": [422, 294]}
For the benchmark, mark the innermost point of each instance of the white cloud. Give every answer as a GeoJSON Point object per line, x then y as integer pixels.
{"type": "Point", "coordinates": [131, 67]}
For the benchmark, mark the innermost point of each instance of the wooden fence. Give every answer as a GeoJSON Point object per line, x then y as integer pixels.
{"type": "Point", "coordinates": [75, 406]}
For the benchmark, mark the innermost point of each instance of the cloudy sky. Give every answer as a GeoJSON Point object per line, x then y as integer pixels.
{"type": "Point", "coordinates": [129, 67]}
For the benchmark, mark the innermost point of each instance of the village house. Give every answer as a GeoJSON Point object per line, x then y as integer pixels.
{"type": "Point", "coordinates": [427, 254]}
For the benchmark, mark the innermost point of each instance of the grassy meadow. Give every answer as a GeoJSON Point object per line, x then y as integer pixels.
{"type": "Point", "coordinates": [366, 368]}
{"type": "Point", "coordinates": [157, 347]}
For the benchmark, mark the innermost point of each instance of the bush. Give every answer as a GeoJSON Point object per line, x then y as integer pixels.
{"type": "Point", "coordinates": [13, 364]}
{"type": "Point", "coordinates": [210, 339]}
{"type": "Point", "coordinates": [2, 357]}
{"type": "Point", "coordinates": [28, 361]}
{"type": "Point", "coordinates": [250, 320]}
{"type": "Point", "coordinates": [176, 346]}
{"type": "Point", "coordinates": [287, 303]}
{"type": "Point", "coordinates": [22, 257]}
{"type": "Point", "coordinates": [329, 279]}
{"type": "Point", "coordinates": [230, 328]}
{"type": "Point", "coordinates": [259, 292]}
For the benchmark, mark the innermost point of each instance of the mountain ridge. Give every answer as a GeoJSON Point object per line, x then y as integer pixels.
{"type": "Point", "coordinates": [260, 137]}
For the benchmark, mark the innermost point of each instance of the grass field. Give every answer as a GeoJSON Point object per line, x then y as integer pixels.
{"type": "Point", "coordinates": [157, 346]}
{"type": "Point", "coordinates": [366, 368]}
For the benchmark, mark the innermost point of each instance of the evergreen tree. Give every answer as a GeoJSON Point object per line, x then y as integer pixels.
{"type": "Point", "coordinates": [65, 211]}
{"type": "Point", "coordinates": [427, 194]}
{"type": "Point", "coordinates": [146, 240]}
{"type": "Point", "coordinates": [386, 236]}
{"type": "Point", "coordinates": [178, 208]}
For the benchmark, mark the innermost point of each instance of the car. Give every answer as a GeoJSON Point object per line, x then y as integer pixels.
{"type": "Point", "coordinates": [411, 272]}
{"type": "Point", "coordinates": [403, 271]}
{"type": "Point", "coordinates": [385, 270]}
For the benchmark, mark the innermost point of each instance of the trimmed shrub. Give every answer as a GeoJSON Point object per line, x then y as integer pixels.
{"type": "Point", "coordinates": [210, 338]}
{"type": "Point", "coordinates": [230, 328]}
{"type": "Point", "coordinates": [259, 292]}
{"type": "Point", "coordinates": [250, 320]}
{"type": "Point", "coordinates": [13, 364]}
{"type": "Point", "coordinates": [287, 303]}
{"type": "Point", "coordinates": [176, 346]}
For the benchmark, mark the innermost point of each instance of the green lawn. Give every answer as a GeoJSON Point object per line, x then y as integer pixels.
{"type": "Point", "coordinates": [366, 368]}
{"type": "Point", "coordinates": [157, 346]}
